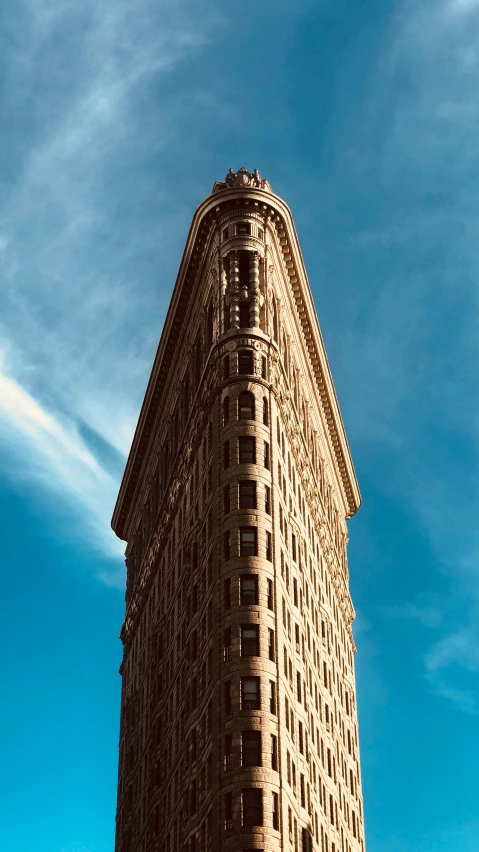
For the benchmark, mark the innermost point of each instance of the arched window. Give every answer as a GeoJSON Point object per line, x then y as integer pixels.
{"type": "Point", "coordinates": [246, 406]}
{"type": "Point", "coordinates": [226, 411]}
{"type": "Point", "coordinates": [265, 411]}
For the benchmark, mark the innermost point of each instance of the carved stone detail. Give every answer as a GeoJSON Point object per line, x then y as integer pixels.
{"type": "Point", "coordinates": [242, 178]}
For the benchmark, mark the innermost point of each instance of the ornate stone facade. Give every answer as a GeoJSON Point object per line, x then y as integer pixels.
{"type": "Point", "coordinates": [238, 720]}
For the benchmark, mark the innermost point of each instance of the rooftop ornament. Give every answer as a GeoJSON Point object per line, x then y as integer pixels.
{"type": "Point", "coordinates": [242, 178]}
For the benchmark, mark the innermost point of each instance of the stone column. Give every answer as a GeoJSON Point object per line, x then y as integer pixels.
{"type": "Point", "coordinates": [254, 289]}
{"type": "Point", "coordinates": [233, 288]}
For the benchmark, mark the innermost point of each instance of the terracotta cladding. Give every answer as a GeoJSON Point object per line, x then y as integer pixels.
{"type": "Point", "coordinates": [238, 721]}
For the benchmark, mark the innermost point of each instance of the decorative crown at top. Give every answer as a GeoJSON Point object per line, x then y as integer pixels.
{"type": "Point", "coordinates": [242, 178]}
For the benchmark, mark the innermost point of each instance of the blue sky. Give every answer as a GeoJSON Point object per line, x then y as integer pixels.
{"type": "Point", "coordinates": [117, 117]}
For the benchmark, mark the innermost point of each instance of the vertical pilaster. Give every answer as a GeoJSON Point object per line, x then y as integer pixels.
{"type": "Point", "coordinates": [254, 289]}
{"type": "Point", "coordinates": [234, 280]}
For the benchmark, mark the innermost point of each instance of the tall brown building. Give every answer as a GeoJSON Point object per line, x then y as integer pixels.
{"type": "Point", "coordinates": [238, 720]}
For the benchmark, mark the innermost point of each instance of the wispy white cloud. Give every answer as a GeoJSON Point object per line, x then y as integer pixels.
{"type": "Point", "coordinates": [24, 415]}
{"type": "Point", "coordinates": [461, 7]}
{"type": "Point", "coordinates": [39, 448]}
{"type": "Point", "coordinates": [453, 656]}
{"type": "Point", "coordinates": [426, 614]}
{"type": "Point", "coordinates": [75, 242]}
{"type": "Point", "coordinates": [457, 648]}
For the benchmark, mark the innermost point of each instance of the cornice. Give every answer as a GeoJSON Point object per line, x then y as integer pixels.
{"type": "Point", "coordinates": [201, 234]}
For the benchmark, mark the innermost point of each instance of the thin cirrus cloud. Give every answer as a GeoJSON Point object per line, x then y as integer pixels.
{"type": "Point", "coordinates": [70, 261]}
{"type": "Point", "coordinates": [39, 448]}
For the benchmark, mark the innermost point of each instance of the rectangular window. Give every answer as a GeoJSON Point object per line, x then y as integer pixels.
{"type": "Point", "coordinates": [269, 547]}
{"type": "Point", "coordinates": [243, 228]}
{"type": "Point", "coordinates": [267, 500]}
{"type": "Point", "coordinates": [226, 499]}
{"type": "Point", "coordinates": [247, 450]}
{"type": "Point", "coordinates": [251, 748]}
{"type": "Point", "coordinates": [274, 752]}
{"type": "Point", "coordinates": [266, 455]}
{"type": "Point", "coordinates": [227, 644]}
{"type": "Point", "coordinates": [228, 811]}
{"type": "Point", "coordinates": [252, 807]}
{"type": "Point", "coordinates": [225, 234]}
{"type": "Point", "coordinates": [226, 367]}
{"type": "Point", "coordinates": [295, 591]}
{"type": "Point", "coordinates": [275, 812]}
{"type": "Point", "coordinates": [249, 640]}
{"type": "Point", "coordinates": [227, 696]}
{"type": "Point", "coordinates": [228, 752]}
{"type": "Point", "coordinates": [293, 546]}
{"type": "Point", "coordinates": [301, 791]}
{"type": "Point", "coordinates": [270, 595]}
{"type": "Point", "coordinates": [249, 590]}
{"type": "Point", "coordinates": [264, 373]}
{"type": "Point", "coordinates": [250, 698]}
{"type": "Point", "coordinates": [265, 412]}
{"type": "Point", "coordinates": [272, 697]}
{"type": "Point", "coordinates": [245, 361]}
{"type": "Point", "coordinates": [244, 315]}
{"type": "Point", "coordinates": [226, 455]}
{"type": "Point", "coordinates": [226, 545]}
{"type": "Point", "coordinates": [298, 686]}
{"type": "Point", "coordinates": [300, 738]}
{"type": "Point", "coordinates": [247, 495]}
{"type": "Point", "coordinates": [248, 541]}
{"type": "Point", "coordinates": [227, 593]}
{"type": "Point", "coordinates": [271, 644]}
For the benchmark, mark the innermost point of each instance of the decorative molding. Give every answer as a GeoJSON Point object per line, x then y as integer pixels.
{"type": "Point", "coordinates": [242, 178]}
